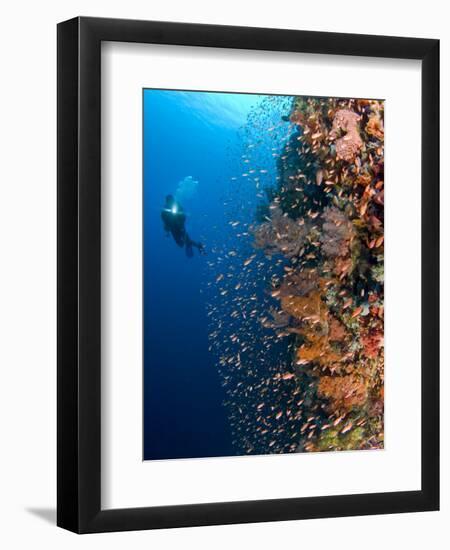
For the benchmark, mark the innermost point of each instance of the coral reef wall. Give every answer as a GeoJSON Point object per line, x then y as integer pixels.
{"type": "Point", "coordinates": [325, 217]}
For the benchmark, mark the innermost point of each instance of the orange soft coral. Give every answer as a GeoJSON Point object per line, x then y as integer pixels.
{"type": "Point", "coordinates": [343, 392]}
{"type": "Point", "coordinates": [363, 179]}
{"type": "Point", "coordinates": [375, 127]}
{"type": "Point", "coordinates": [317, 349]}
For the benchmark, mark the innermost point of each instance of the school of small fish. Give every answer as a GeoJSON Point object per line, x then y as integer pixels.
{"type": "Point", "coordinates": [295, 282]}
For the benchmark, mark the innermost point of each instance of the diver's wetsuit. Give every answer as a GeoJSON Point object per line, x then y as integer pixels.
{"type": "Point", "coordinates": [174, 220]}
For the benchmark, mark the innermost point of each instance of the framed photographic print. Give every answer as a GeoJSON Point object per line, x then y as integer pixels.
{"type": "Point", "coordinates": [248, 256]}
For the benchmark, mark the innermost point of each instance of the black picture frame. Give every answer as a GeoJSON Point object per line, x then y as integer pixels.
{"type": "Point", "coordinates": [79, 280]}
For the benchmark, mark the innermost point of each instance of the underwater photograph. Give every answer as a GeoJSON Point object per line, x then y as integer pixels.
{"type": "Point", "coordinates": [263, 274]}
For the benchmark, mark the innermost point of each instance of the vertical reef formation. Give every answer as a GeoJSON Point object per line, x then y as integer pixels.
{"type": "Point", "coordinates": [325, 218]}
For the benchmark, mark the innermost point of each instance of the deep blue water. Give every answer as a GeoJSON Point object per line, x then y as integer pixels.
{"type": "Point", "coordinates": [200, 135]}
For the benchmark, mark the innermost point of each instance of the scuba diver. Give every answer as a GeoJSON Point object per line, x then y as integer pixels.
{"type": "Point", "coordinates": [174, 218]}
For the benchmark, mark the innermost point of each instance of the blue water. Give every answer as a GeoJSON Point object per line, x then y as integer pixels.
{"type": "Point", "coordinates": [202, 135]}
